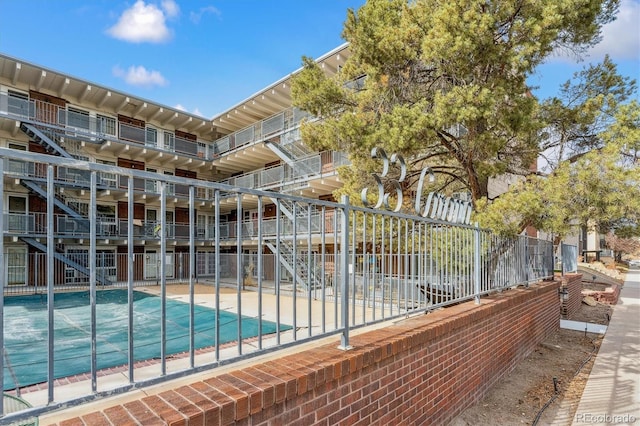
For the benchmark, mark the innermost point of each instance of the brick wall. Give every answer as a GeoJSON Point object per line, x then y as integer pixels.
{"type": "Point", "coordinates": [572, 287]}
{"type": "Point", "coordinates": [609, 295]}
{"type": "Point", "coordinates": [422, 370]}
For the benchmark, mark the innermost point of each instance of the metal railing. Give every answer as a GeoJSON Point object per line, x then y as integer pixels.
{"type": "Point", "coordinates": [276, 125]}
{"type": "Point", "coordinates": [275, 177]}
{"type": "Point", "coordinates": [106, 180]}
{"type": "Point", "coordinates": [97, 128]}
{"type": "Point", "coordinates": [367, 266]}
{"type": "Point", "coordinates": [100, 128]}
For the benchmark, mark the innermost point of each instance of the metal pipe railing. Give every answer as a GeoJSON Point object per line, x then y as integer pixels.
{"type": "Point", "coordinates": [312, 167]}
{"type": "Point", "coordinates": [318, 266]}
{"type": "Point", "coordinates": [97, 127]}
{"type": "Point", "coordinates": [277, 125]}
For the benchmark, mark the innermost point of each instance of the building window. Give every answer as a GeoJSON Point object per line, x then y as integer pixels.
{"type": "Point", "coordinates": [152, 137]}
{"type": "Point", "coordinates": [18, 103]}
{"type": "Point", "coordinates": [106, 125]}
{"type": "Point", "coordinates": [78, 118]}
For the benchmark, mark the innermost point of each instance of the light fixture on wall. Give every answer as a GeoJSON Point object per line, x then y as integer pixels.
{"type": "Point", "coordinates": [563, 292]}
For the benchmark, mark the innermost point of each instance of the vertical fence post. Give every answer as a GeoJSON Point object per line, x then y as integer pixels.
{"type": "Point", "coordinates": [239, 267]}
{"type": "Point", "coordinates": [476, 263]}
{"type": "Point", "coordinates": [192, 271]}
{"type": "Point", "coordinates": [161, 261]}
{"type": "Point", "coordinates": [344, 270]}
{"type": "Point", "coordinates": [50, 279]}
{"type": "Point", "coordinates": [526, 261]}
{"type": "Point", "coordinates": [216, 203]}
{"type": "Point", "coordinates": [130, 278]}
{"type": "Point", "coordinates": [93, 223]}
{"type": "Point", "coordinates": [2, 285]}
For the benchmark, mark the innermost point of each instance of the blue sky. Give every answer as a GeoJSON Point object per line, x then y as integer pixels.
{"type": "Point", "coordinates": [205, 56]}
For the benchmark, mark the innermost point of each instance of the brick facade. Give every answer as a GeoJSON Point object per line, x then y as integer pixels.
{"type": "Point", "coordinates": [422, 370]}
{"type": "Point", "coordinates": [571, 291]}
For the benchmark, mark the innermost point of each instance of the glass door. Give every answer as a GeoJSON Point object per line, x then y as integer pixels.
{"type": "Point", "coordinates": [16, 270]}
{"type": "Point", "coordinates": [18, 219]}
{"type": "Point", "coordinates": [151, 265]}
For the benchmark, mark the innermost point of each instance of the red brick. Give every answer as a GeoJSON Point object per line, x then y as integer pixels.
{"type": "Point", "coordinates": [267, 382]}
{"type": "Point", "coordinates": [241, 398]}
{"type": "Point", "coordinates": [118, 415]}
{"type": "Point", "coordinates": [327, 410]}
{"type": "Point", "coordinates": [313, 405]}
{"type": "Point", "coordinates": [165, 411]}
{"type": "Point", "coordinates": [339, 416]}
{"type": "Point", "coordinates": [245, 382]}
{"type": "Point", "coordinates": [142, 413]}
{"type": "Point", "coordinates": [210, 410]}
{"type": "Point", "coordinates": [289, 379]}
{"type": "Point", "coordinates": [187, 408]}
{"type": "Point", "coordinates": [76, 421]}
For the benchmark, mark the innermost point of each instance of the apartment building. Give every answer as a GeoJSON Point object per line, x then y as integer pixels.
{"type": "Point", "coordinates": [254, 144]}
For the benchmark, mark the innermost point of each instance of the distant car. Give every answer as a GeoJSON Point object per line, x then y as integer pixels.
{"type": "Point", "coordinates": [635, 263]}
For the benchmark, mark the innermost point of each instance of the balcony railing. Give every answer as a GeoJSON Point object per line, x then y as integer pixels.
{"type": "Point", "coordinates": [311, 167]}
{"type": "Point", "coordinates": [260, 131]}
{"type": "Point", "coordinates": [250, 228]}
{"type": "Point", "coordinates": [107, 128]}
{"type": "Point", "coordinates": [81, 178]}
{"type": "Point", "coordinates": [97, 128]}
{"type": "Point", "coordinates": [35, 225]}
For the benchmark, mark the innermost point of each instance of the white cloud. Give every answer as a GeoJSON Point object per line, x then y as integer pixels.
{"type": "Point", "coordinates": [196, 111]}
{"type": "Point", "coordinates": [145, 22]}
{"type": "Point", "coordinates": [171, 8]}
{"type": "Point", "coordinates": [620, 38]}
{"type": "Point", "coordinates": [140, 76]}
{"type": "Point", "coordinates": [196, 16]}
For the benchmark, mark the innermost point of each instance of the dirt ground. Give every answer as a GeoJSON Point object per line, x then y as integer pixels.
{"type": "Point", "coordinates": [519, 398]}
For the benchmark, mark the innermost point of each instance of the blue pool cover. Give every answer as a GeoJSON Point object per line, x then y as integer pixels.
{"type": "Point", "coordinates": [25, 332]}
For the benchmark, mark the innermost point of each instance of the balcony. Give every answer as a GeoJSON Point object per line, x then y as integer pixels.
{"type": "Point", "coordinates": [66, 226]}
{"type": "Point", "coordinates": [80, 179]}
{"type": "Point", "coordinates": [261, 131]}
{"type": "Point", "coordinates": [312, 167]}
{"type": "Point", "coordinates": [97, 129]}
{"type": "Point", "coordinates": [229, 230]}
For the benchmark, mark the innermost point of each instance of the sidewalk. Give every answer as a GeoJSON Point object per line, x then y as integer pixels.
{"type": "Point", "coordinates": [612, 394]}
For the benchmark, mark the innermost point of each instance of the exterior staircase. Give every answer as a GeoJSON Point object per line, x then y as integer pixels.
{"type": "Point", "coordinates": [42, 139]}
{"type": "Point", "coordinates": [62, 258]}
{"type": "Point", "coordinates": [306, 274]}
{"type": "Point", "coordinates": [290, 149]}
{"type": "Point", "coordinates": [60, 202]}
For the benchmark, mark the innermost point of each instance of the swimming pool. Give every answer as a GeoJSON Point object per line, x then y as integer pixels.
{"type": "Point", "coordinates": [26, 342]}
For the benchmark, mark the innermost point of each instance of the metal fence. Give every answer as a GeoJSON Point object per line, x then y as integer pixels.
{"type": "Point", "coordinates": [314, 268]}
{"type": "Point", "coordinates": [569, 258]}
